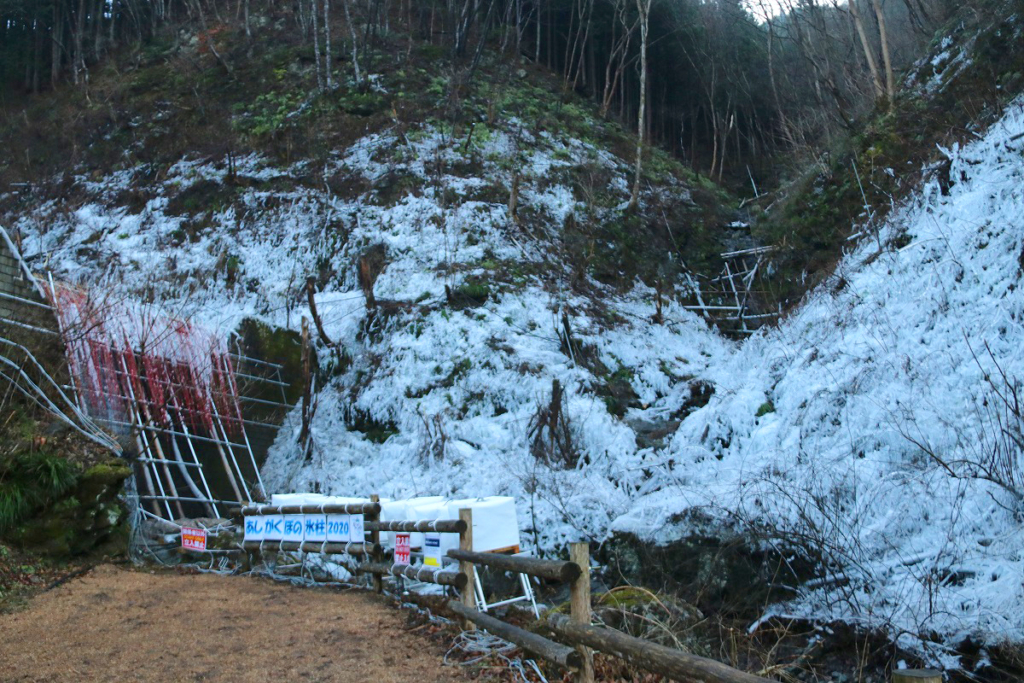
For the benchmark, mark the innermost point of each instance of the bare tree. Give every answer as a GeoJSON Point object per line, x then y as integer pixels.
{"type": "Point", "coordinates": [618, 54]}
{"type": "Point", "coordinates": [869, 56]}
{"type": "Point", "coordinates": [355, 42]}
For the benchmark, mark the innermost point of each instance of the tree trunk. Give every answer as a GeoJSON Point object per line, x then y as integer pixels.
{"type": "Point", "coordinates": [858, 22]}
{"type": "Point", "coordinates": [55, 38]}
{"type": "Point", "coordinates": [536, 55]}
{"type": "Point", "coordinates": [316, 47]}
{"type": "Point", "coordinates": [78, 39]}
{"type": "Point", "coordinates": [883, 37]}
{"type": "Point", "coordinates": [644, 9]}
{"type": "Point", "coordinates": [352, 31]}
{"type": "Point", "coordinates": [328, 59]}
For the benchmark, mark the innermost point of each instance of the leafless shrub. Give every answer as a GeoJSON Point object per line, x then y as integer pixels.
{"type": "Point", "coordinates": [435, 438]}
{"type": "Point", "coordinates": [552, 437]}
{"type": "Point", "coordinates": [991, 450]}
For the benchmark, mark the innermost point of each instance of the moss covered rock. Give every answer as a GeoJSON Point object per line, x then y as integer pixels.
{"type": "Point", "coordinates": [88, 516]}
{"type": "Point", "coordinates": [728, 574]}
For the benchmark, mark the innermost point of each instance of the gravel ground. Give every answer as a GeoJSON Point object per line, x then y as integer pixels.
{"type": "Point", "coordinates": [121, 625]}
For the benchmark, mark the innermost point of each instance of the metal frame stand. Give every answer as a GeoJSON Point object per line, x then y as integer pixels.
{"type": "Point", "coordinates": [524, 580]}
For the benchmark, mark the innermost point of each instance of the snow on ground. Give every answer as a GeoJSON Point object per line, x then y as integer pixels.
{"type": "Point", "coordinates": [831, 427]}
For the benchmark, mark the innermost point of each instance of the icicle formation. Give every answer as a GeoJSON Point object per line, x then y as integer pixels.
{"type": "Point", "coordinates": [132, 364]}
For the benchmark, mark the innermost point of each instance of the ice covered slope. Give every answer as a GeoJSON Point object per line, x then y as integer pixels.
{"type": "Point", "coordinates": [438, 396]}
{"type": "Point", "coordinates": [879, 423]}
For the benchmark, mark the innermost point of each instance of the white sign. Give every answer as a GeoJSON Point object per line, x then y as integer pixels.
{"type": "Point", "coordinates": [254, 528]}
{"type": "Point", "coordinates": [273, 527]}
{"type": "Point", "coordinates": [432, 550]}
{"type": "Point", "coordinates": [339, 528]}
{"type": "Point", "coordinates": [292, 528]}
{"type": "Point", "coordinates": [314, 527]}
{"type": "Point", "coordinates": [356, 529]}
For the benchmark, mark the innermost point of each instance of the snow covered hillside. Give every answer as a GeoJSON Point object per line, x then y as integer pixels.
{"type": "Point", "coordinates": [443, 393]}
{"type": "Point", "coordinates": [880, 425]}
{"type": "Point", "coordinates": [876, 429]}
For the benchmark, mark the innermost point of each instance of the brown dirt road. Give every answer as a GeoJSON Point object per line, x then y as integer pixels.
{"type": "Point", "coordinates": [120, 625]}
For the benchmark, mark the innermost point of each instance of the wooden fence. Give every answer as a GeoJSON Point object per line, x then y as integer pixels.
{"type": "Point", "coordinates": [580, 637]}
{"type": "Point", "coordinates": [576, 630]}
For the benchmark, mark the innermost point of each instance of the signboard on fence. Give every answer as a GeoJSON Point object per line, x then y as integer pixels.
{"type": "Point", "coordinates": [193, 538]}
{"type": "Point", "coordinates": [403, 548]}
{"type": "Point", "coordinates": [432, 550]}
{"type": "Point", "coordinates": [315, 528]}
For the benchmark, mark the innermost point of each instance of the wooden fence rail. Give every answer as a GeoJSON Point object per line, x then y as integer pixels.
{"type": "Point", "coordinates": [576, 629]}
{"type": "Point", "coordinates": [313, 547]}
{"type": "Point", "coordinates": [424, 574]}
{"type": "Point", "coordinates": [347, 509]}
{"type": "Point", "coordinates": [653, 657]}
{"type": "Point", "coordinates": [563, 656]}
{"type": "Point", "coordinates": [441, 526]}
{"type": "Point", "coordinates": [532, 566]}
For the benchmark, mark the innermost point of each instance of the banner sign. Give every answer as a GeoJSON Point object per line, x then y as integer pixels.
{"type": "Point", "coordinates": [193, 538]}
{"type": "Point", "coordinates": [316, 528]}
{"type": "Point", "coordinates": [403, 548]}
{"type": "Point", "coordinates": [432, 550]}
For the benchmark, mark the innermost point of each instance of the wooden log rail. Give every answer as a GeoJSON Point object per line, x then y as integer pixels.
{"type": "Point", "coordinates": [538, 645]}
{"type": "Point", "coordinates": [917, 675]}
{"type": "Point", "coordinates": [655, 658]}
{"type": "Point", "coordinates": [347, 509]}
{"type": "Point", "coordinates": [441, 526]}
{"type": "Point", "coordinates": [313, 547]}
{"type": "Point", "coordinates": [424, 574]}
{"type": "Point", "coordinates": [532, 566]}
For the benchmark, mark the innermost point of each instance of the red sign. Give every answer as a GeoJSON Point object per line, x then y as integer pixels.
{"type": "Point", "coordinates": [193, 538]}
{"type": "Point", "coordinates": [403, 548]}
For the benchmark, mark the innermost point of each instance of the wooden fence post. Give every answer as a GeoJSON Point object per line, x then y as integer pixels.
{"type": "Point", "coordinates": [579, 606]}
{"type": "Point", "coordinates": [466, 543]}
{"type": "Point", "coordinates": [917, 676]}
{"type": "Point", "coordinates": [377, 556]}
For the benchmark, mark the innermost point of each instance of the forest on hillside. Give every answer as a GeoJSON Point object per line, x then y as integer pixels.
{"type": "Point", "coordinates": [735, 88]}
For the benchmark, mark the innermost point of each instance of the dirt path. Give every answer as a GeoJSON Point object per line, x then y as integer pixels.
{"type": "Point", "coordinates": [119, 625]}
